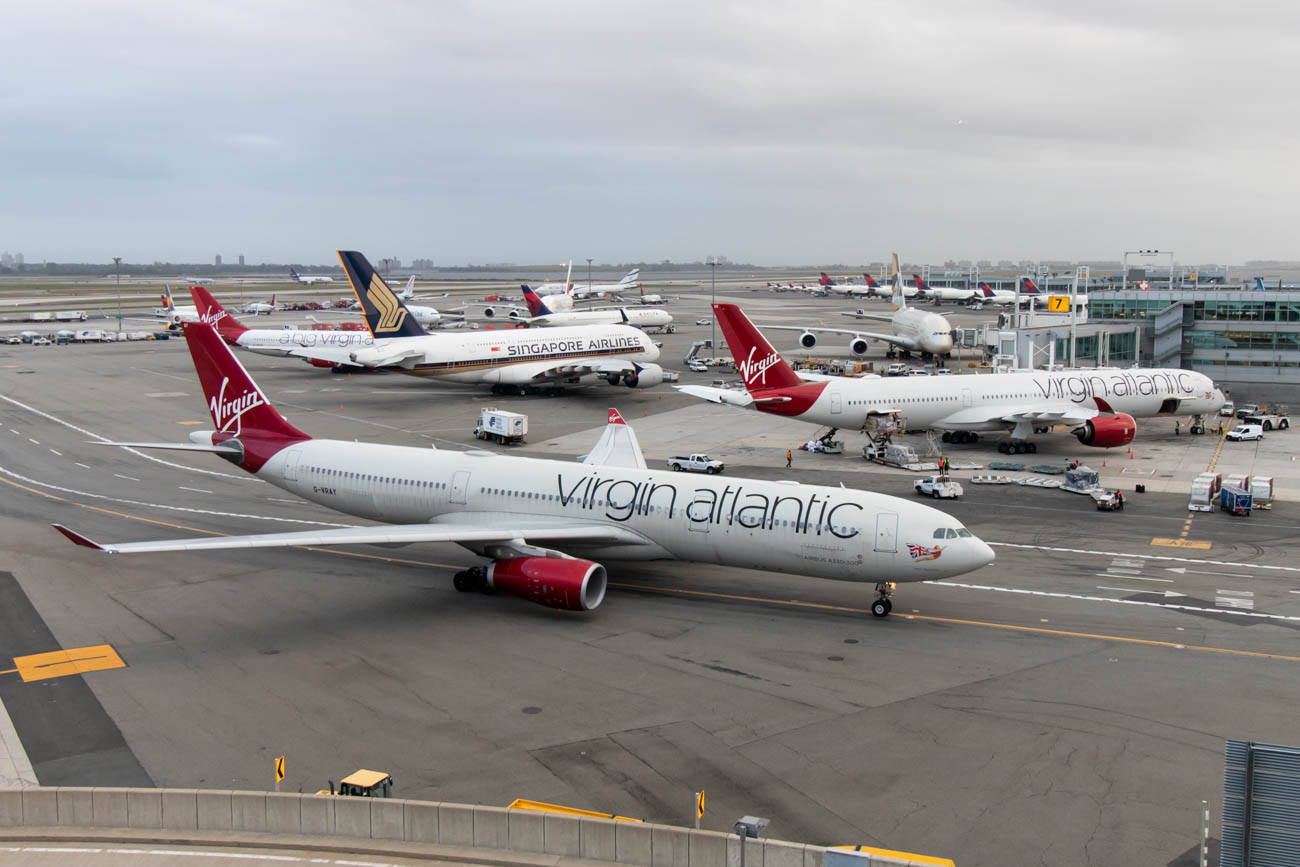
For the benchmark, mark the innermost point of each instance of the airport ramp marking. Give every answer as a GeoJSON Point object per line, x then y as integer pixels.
{"type": "Point", "coordinates": [1182, 541]}
{"type": "Point", "coordinates": [61, 663]}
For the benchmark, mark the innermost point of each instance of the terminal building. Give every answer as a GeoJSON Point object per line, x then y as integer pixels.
{"type": "Point", "coordinates": [1230, 335]}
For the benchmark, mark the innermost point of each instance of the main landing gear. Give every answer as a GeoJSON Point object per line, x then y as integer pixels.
{"type": "Point", "coordinates": [1018, 447]}
{"type": "Point", "coordinates": [960, 436]}
{"type": "Point", "coordinates": [882, 606]}
{"type": "Point", "coordinates": [471, 579]}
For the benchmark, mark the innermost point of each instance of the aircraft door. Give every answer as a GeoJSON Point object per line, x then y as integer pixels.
{"type": "Point", "coordinates": [886, 533]}
{"type": "Point", "coordinates": [837, 402]}
{"type": "Point", "coordinates": [291, 459]}
{"type": "Point", "coordinates": [966, 399]}
{"type": "Point", "coordinates": [459, 485]}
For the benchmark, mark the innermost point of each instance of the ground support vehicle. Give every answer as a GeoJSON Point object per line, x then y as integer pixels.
{"type": "Point", "coordinates": [501, 426]}
{"type": "Point", "coordinates": [1235, 500]}
{"type": "Point", "coordinates": [938, 487]}
{"type": "Point", "coordinates": [696, 464]}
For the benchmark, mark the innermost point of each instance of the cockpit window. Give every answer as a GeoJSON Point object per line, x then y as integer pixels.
{"type": "Point", "coordinates": [963, 532]}
{"type": "Point", "coordinates": [938, 534]}
{"type": "Point", "coordinates": [952, 534]}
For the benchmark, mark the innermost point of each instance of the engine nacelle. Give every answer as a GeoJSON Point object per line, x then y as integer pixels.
{"type": "Point", "coordinates": [807, 340]}
{"type": "Point", "coordinates": [489, 312]}
{"type": "Point", "coordinates": [1107, 431]}
{"type": "Point", "coordinates": [556, 582]}
{"type": "Point", "coordinates": [320, 362]}
{"type": "Point", "coordinates": [648, 376]}
{"type": "Point", "coordinates": [859, 346]}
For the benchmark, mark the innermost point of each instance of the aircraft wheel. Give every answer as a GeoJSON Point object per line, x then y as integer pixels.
{"type": "Point", "coordinates": [881, 607]}
{"type": "Point", "coordinates": [1032, 448]}
{"type": "Point", "coordinates": [1003, 448]}
{"type": "Point", "coordinates": [947, 436]}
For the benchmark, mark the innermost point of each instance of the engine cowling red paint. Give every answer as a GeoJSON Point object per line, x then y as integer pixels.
{"type": "Point", "coordinates": [556, 582]}
{"type": "Point", "coordinates": [1108, 431]}
{"type": "Point", "coordinates": [320, 362]}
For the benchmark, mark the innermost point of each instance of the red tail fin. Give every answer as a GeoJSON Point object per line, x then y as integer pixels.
{"type": "Point", "coordinates": [826, 281]}
{"type": "Point", "coordinates": [211, 312]}
{"type": "Point", "coordinates": [871, 281]}
{"type": "Point", "coordinates": [237, 405]}
{"type": "Point", "coordinates": [759, 364]}
{"type": "Point", "coordinates": [1031, 288]}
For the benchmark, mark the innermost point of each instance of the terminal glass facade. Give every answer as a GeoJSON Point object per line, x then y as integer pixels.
{"type": "Point", "coordinates": [1243, 310]}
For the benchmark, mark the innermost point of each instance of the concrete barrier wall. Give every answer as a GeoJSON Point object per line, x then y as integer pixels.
{"type": "Point", "coordinates": [379, 819]}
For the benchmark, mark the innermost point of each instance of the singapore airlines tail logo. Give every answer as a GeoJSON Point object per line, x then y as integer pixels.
{"type": "Point", "coordinates": [751, 368]}
{"type": "Point", "coordinates": [391, 311]}
{"type": "Point", "coordinates": [228, 414]}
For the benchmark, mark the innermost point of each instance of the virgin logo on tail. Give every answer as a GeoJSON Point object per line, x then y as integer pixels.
{"type": "Point", "coordinates": [751, 368]}
{"type": "Point", "coordinates": [614, 417]}
{"type": "Point", "coordinates": [230, 412]}
{"type": "Point", "coordinates": [211, 317]}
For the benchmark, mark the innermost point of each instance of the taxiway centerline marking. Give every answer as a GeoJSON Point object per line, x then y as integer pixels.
{"type": "Point", "coordinates": [1055, 595]}
{"type": "Point", "coordinates": [980, 623]}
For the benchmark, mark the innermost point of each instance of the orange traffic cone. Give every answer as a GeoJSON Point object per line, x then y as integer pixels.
{"type": "Point", "coordinates": [340, 407]}
{"type": "Point", "coordinates": [1103, 462]}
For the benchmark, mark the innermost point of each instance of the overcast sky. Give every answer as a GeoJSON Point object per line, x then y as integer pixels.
{"type": "Point", "coordinates": [535, 132]}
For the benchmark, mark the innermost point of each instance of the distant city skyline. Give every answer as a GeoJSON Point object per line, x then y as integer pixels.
{"type": "Point", "coordinates": [829, 131]}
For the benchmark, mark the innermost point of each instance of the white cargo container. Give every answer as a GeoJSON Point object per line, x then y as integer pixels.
{"type": "Point", "coordinates": [501, 426]}
{"type": "Point", "coordinates": [1205, 492]}
{"type": "Point", "coordinates": [1262, 489]}
{"type": "Point", "coordinates": [71, 315]}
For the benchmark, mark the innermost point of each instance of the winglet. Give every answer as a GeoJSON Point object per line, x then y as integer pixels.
{"type": "Point", "coordinates": [77, 538]}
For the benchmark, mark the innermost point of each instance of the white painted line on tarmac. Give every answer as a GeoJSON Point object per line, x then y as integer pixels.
{"type": "Point", "coordinates": [128, 478]}
{"type": "Point", "coordinates": [196, 490]}
{"type": "Point", "coordinates": [1167, 558]}
{"type": "Point", "coordinates": [15, 768]}
{"type": "Point", "coordinates": [135, 452]}
{"type": "Point", "coordinates": [73, 491]}
{"type": "Point", "coordinates": [56, 452]}
{"type": "Point", "coordinates": [34, 442]}
{"type": "Point", "coordinates": [83, 466]}
{"type": "Point", "coordinates": [14, 432]}
{"type": "Point", "coordinates": [1182, 571]}
{"type": "Point", "coordinates": [1168, 593]}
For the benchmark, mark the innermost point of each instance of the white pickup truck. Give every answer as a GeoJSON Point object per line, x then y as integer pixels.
{"type": "Point", "coordinates": [696, 464]}
{"type": "Point", "coordinates": [939, 487]}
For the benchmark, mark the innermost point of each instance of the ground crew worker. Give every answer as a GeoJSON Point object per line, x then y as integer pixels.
{"type": "Point", "coordinates": [789, 456]}
{"type": "Point", "coordinates": [1119, 495]}
{"type": "Point", "coordinates": [1178, 426]}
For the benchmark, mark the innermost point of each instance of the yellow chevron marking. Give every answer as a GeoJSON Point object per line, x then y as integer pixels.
{"type": "Point", "coordinates": [391, 312]}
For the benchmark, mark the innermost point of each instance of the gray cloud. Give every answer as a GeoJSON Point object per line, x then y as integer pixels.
{"type": "Point", "coordinates": [778, 133]}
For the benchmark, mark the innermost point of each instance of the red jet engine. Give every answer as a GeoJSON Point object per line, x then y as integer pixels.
{"type": "Point", "coordinates": [556, 582]}
{"type": "Point", "coordinates": [1107, 431]}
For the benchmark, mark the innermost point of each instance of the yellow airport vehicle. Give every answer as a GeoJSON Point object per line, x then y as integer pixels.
{"type": "Point", "coordinates": [363, 784]}
{"type": "Point", "coordinates": [543, 807]}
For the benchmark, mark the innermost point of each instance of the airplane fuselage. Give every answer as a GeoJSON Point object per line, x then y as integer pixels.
{"type": "Point", "coordinates": [977, 402]}
{"type": "Point", "coordinates": [639, 318]}
{"type": "Point", "coordinates": [778, 526]}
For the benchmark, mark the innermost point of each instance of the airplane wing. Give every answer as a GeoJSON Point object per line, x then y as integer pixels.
{"type": "Point", "coordinates": [384, 534]}
{"type": "Point", "coordinates": [523, 374]}
{"type": "Point", "coordinates": [898, 340]}
{"type": "Point", "coordinates": [617, 447]}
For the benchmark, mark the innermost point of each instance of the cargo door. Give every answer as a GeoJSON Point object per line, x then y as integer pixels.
{"type": "Point", "coordinates": [886, 533]}
{"type": "Point", "coordinates": [837, 402]}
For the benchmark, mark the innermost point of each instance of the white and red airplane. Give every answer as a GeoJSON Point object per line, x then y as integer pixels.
{"type": "Point", "coordinates": [258, 307]}
{"type": "Point", "coordinates": [1100, 404]}
{"type": "Point", "coordinates": [319, 348]}
{"type": "Point", "coordinates": [544, 525]}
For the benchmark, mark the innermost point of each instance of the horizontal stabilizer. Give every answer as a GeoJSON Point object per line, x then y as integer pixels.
{"type": "Point", "coordinates": [223, 448]}
{"type": "Point", "coordinates": [726, 396]}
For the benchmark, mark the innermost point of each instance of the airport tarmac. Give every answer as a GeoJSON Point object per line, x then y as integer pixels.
{"type": "Point", "coordinates": [1067, 705]}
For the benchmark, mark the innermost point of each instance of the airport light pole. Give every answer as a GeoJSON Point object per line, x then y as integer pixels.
{"type": "Point", "coordinates": [589, 276]}
{"type": "Point", "coordinates": [117, 276]}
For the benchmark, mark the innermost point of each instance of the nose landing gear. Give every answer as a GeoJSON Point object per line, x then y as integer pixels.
{"type": "Point", "coordinates": [882, 606]}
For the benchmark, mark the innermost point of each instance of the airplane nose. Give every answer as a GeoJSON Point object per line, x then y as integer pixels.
{"type": "Point", "coordinates": [983, 555]}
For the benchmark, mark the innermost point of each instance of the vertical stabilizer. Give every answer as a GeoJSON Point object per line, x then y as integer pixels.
{"type": "Point", "coordinates": [760, 365]}
{"type": "Point", "coordinates": [386, 316]}
{"type": "Point", "coordinates": [237, 405]}
{"type": "Point", "coordinates": [211, 312]}
{"type": "Point", "coordinates": [899, 299]}
{"type": "Point", "coordinates": [617, 447]}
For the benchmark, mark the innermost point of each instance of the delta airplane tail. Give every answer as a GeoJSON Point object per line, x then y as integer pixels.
{"type": "Point", "coordinates": [386, 316]}
{"type": "Point", "coordinates": [871, 281]}
{"type": "Point", "coordinates": [211, 312]}
{"type": "Point", "coordinates": [825, 280]}
{"type": "Point", "coordinates": [238, 407]}
{"type": "Point", "coordinates": [760, 365]}
{"type": "Point", "coordinates": [536, 306]}
{"type": "Point", "coordinates": [1029, 287]}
